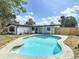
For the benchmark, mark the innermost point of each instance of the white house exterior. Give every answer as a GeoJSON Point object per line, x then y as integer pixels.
{"type": "Point", "coordinates": [22, 29]}
{"type": "Point", "coordinates": [45, 29]}
{"type": "Point", "coordinates": [36, 29]}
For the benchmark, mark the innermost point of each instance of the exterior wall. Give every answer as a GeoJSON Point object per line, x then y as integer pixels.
{"type": "Point", "coordinates": [41, 30]}
{"type": "Point", "coordinates": [44, 29]}
{"type": "Point", "coordinates": [25, 29]}
{"type": "Point", "coordinates": [53, 29]}
{"type": "Point", "coordinates": [22, 30]}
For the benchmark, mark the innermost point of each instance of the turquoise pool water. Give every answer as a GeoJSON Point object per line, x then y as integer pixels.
{"type": "Point", "coordinates": [40, 45]}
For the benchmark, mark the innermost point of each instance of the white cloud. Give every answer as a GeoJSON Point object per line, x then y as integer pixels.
{"type": "Point", "coordinates": [43, 21]}
{"type": "Point", "coordinates": [49, 20]}
{"type": "Point", "coordinates": [27, 17]}
{"type": "Point", "coordinates": [55, 20]}
{"type": "Point", "coordinates": [30, 13]}
{"type": "Point", "coordinates": [22, 20]}
{"type": "Point", "coordinates": [74, 11]}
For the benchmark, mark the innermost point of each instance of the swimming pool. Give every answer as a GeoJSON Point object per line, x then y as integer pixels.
{"type": "Point", "coordinates": [39, 45]}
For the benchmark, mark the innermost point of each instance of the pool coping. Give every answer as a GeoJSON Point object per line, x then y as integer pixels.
{"type": "Point", "coordinates": [66, 52]}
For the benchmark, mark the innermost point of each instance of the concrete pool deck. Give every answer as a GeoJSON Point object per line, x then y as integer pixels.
{"type": "Point", "coordinates": [66, 52]}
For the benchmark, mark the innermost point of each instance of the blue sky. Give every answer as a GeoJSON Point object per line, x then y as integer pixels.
{"type": "Point", "coordinates": [46, 11]}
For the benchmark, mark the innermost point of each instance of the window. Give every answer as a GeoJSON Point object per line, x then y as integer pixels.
{"type": "Point", "coordinates": [33, 28]}
{"type": "Point", "coordinates": [36, 28]}
{"type": "Point", "coordinates": [48, 28]}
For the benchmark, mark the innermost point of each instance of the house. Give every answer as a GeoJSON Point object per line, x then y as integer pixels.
{"type": "Point", "coordinates": [28, 29]}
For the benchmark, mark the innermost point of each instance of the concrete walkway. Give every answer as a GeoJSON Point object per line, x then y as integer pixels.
{"type": "Point", "coordinates": [66, 52]}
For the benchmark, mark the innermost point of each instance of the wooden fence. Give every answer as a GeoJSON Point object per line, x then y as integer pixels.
{"type": "Point", "coordinates": [67, 31]}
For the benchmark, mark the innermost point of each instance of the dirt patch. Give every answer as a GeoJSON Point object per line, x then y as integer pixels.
{"type": "Point", "coordinates": [73, 42]}
{"type": "Point", "coordinates": [4, 39]}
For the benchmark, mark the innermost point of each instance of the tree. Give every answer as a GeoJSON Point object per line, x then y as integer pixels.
{"type": "Point", "coordinates": [9, 9]}
{"type": "Point", "coordinates": [11, 6]}
{"type": "Point", "coordinates": [62, 20]}
{"type": "Point", "coordinates": [68, 21]}
{"type": "Point", "coordinates": [30, 21]}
